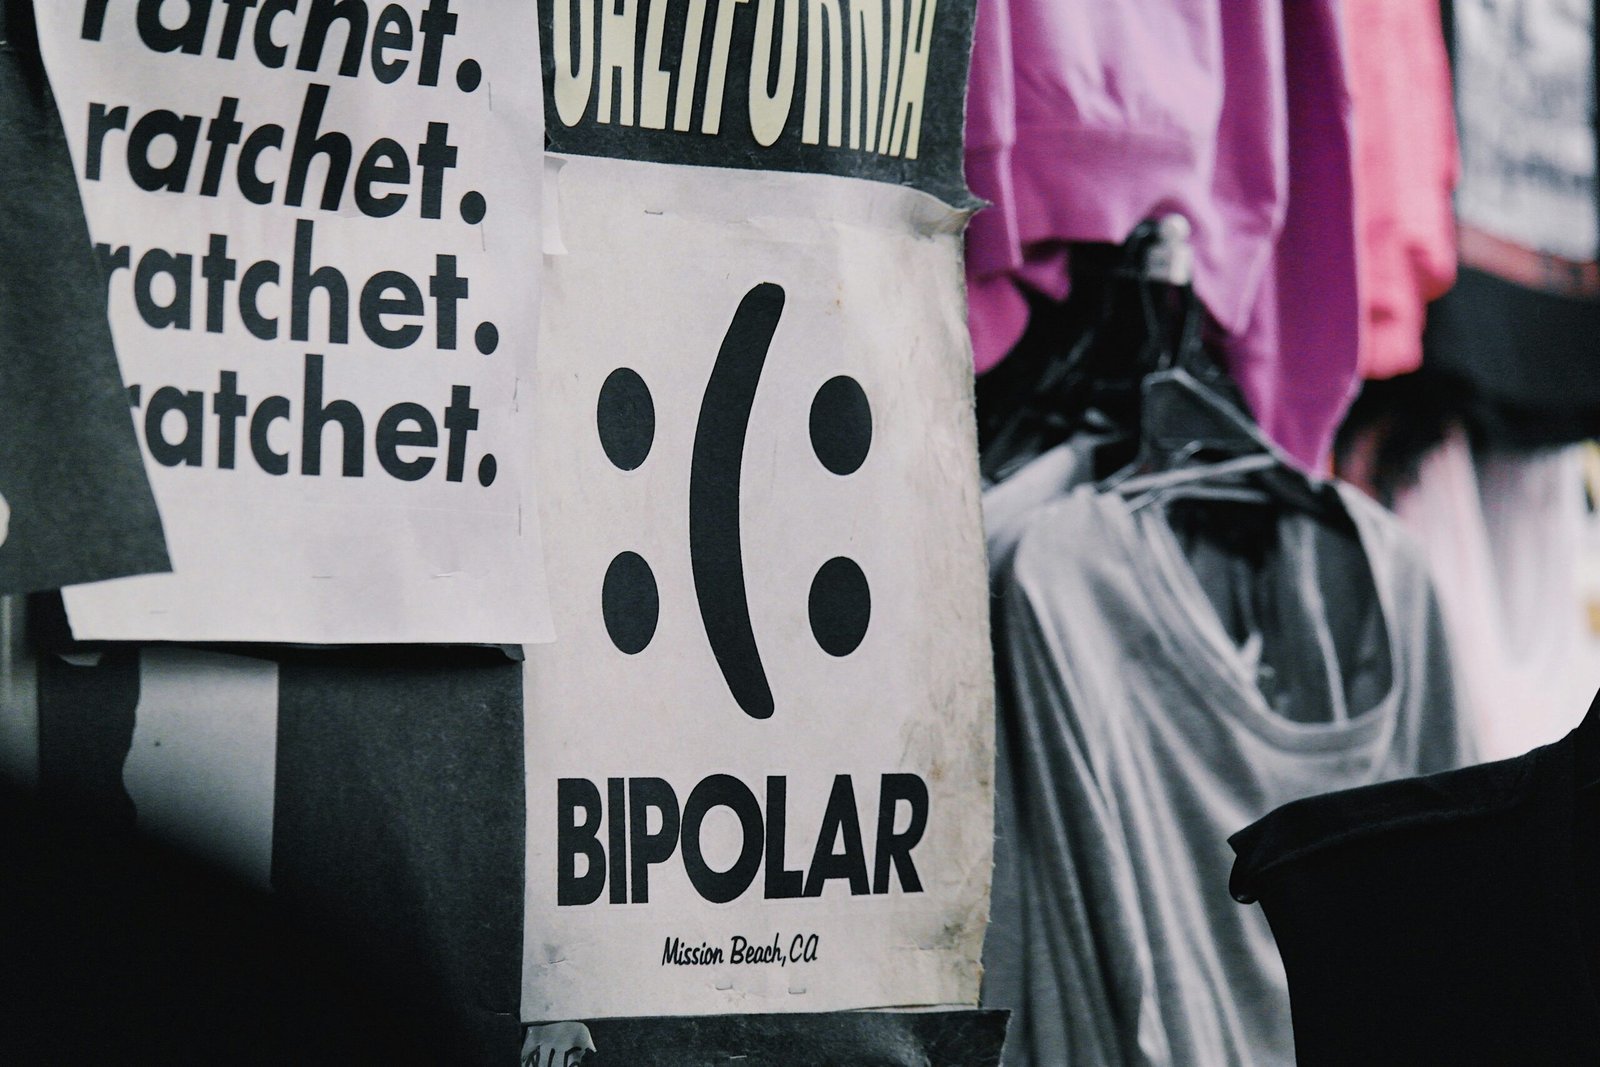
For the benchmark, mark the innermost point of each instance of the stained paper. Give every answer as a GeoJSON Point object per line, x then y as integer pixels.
{"type": "Point", "coordinates": [759, 759]}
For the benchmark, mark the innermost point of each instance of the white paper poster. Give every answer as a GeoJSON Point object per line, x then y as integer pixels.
{"type": "Point", "coordinates": [759, 758]}
{"type": "Point", "coordinates": [320, 224]}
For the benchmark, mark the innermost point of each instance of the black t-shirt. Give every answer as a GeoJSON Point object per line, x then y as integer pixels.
{"type": "Point", "coordinates": [75, 505]}
{"type": "Point", "coordinates": [1449, 919]}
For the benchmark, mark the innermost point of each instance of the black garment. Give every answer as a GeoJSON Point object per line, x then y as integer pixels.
{"type": "Point", "coordinates": [118, 950]}
{"type": "Point", "coordinates": [1526, 358]}
{"type": "Point", "coordinates": [398, 830]}
{"type": "Point", "coordinates": [71, 477]}
{"type": "Point", "coordinates": [397, 852]}
{"type": "Point", "coordinates": [1450, 919]}
{"type": "Point", "coordinates": [1520, 347]}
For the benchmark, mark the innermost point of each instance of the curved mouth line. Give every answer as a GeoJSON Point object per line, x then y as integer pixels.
{"type": "Point", "coordinates": [716, 555]}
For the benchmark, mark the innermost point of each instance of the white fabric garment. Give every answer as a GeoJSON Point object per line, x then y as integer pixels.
{"type": "Point", "coordinates": [1505, 537]}
{"type": "Point", "coordinates": [1008, 505]}
{"type": "Point", "coordinates": [1158, 693]}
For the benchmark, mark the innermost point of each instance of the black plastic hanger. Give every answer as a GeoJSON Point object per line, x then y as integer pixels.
{"type": "Point", "coordinates": [1140, 316]}
{"type": "Point", "coordinates": [1195, 443]}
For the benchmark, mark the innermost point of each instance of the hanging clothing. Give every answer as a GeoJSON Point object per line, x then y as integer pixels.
{"type": "Point", "coordinates": [1157, 691]}
{"type": "Point", "coordinates": [1505, 538]}
{"type": "Point", "coordinates": [1518, 326]}
{"type": "Point", "coordinates": [1447, 919]}
{"type": "Point", "coordinates": [75, 505]}
{"type": "Point", "coordinates": [1084, 119]}
{"type": "Point", "coordinates": [1008, 506]}
{"type": "Point", "coordinates": [1406, 170]}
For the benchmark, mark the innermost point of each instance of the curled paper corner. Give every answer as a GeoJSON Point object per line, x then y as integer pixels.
{"type": "Point", "coordinates": [552, 242]}
{"type": "Point", "coordinates": [556, 1043]}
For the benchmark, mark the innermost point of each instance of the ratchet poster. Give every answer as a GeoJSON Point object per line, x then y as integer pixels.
{"type": "Point", "coordinates": [318, 224]}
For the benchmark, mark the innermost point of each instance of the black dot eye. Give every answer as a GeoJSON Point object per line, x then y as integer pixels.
{"type": "Point", "coordinates": [626, 418]}
{"type": "Point", "coordinates": [840, 606]}
{"type": "Point", "coordinates": [841, 425]}
{"type": "Point", "coordinates": [630, 602]}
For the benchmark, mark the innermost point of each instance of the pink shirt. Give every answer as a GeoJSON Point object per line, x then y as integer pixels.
{"type": "Point", "coordinates": [1406, 169]}
{"type": "Point", "coordinates": [1085, 118]}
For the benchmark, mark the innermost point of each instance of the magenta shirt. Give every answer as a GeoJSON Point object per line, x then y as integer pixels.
{"type": "Point", "coordinates": [1085, 117]}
